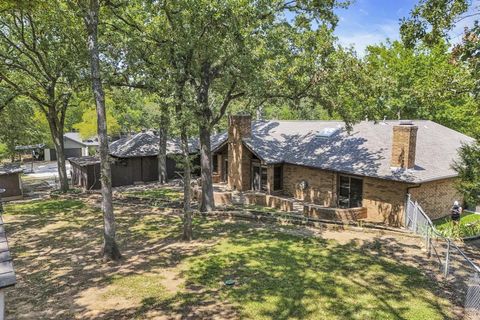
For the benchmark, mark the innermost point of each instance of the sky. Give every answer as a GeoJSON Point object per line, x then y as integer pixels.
{"type": "Point", "coordinates": [368, 22]}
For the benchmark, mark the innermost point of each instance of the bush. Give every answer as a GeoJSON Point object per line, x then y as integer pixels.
{"type": "Point", "coordinates": [469, 226]}
{"type": "Point", "coordinates": [4, 154]}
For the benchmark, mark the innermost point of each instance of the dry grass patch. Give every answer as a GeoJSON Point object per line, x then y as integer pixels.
{"type": "Point", "coordinates": [279, 273]}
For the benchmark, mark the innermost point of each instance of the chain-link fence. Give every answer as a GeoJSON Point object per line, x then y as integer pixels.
{"type": "Point", "coordinates": [1, 202]}
{"type": "Point", "coordinates": [453, 262]}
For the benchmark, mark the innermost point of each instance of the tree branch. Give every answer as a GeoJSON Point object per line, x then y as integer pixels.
{"type": "Point", "coordinates": [229, 97]}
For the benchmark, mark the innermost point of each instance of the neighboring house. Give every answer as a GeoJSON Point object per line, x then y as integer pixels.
{"type": "Point", "coordinates": [134, 160]}
{"type": "Point", "coordinates": [74, 146]}
{"type": "Point", "coordinates": [373, 167]}
{"type": "Point", "coordinates": [10, 180]}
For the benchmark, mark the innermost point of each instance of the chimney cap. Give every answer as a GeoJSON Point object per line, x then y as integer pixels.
{"type": "Point", "coordinates": [406, 122]}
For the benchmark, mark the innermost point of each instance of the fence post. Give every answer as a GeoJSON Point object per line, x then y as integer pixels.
{"type": "Point", "coordinates": [427, 241]}
{"type": "Point", "coordinates": [447, 259]}
{"type": "Point", "coordinates": [1, 203]}
{"type": "Point", "coordinates": [429, 244]}
{"type": "Point", "coordinates": [407, 209]}
{"type": "Point", "coordinates": [415, 216]}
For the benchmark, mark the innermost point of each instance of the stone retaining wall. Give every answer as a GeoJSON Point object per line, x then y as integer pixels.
{"type": "Point", "coordinates": [335, 214]}
{"type": "Point", "coordinates": [266, 200]}
{"type": "Point", "coordinates": [220, 198]}
{"type": "Point", "coordinates": [279, 203]}
{"type": "Point", "coordinates": [255, 199]}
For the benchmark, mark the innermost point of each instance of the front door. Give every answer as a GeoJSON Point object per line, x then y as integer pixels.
{"type": "Point", "coordinates": [225, 170]}
{"type": "Point", "coordinates": [256, 177]}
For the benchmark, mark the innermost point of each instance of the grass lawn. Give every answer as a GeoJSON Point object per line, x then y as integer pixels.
{"type": "Point", "coordinates": [159, 193]}
{"type": "Point", "coordinates": [264, 209]}
{"type": "Point", "coordinates": [278, 273]}
{"type": "Point", "coordinates": [469, 225]}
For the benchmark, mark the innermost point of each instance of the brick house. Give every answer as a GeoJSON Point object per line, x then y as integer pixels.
{"type": "Point", "coordinates": [369, 169]}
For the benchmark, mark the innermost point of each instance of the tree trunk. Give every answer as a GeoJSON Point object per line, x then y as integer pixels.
{"type": "Point", "coordinates": [62, 169]}
{"type": "Point", "coordinates": [162, 147]}
{"type": "Point", "coordinates": [187, 212]}
{"type": "Point", "coordinates": [56, 130]}
{"type": "Point", "coordinates": [207, 202]}
{"type": "Point", "coordinates": [110, 248]}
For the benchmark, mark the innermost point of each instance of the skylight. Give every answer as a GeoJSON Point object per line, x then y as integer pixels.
{"type": "Point", "coordinates": [327, 132]}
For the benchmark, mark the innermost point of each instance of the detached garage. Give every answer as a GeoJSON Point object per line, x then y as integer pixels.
{"type": "Point", "coordinates": [134, 160]}
{"type": "Point", "coordinates": [10, 180]}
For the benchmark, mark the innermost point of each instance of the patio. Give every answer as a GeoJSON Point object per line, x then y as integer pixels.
{"type": "Point", "coordinates": [225, 197]}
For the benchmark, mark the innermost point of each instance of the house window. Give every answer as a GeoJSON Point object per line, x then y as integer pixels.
{"type": "Point", "coordinates": [277, 178]}
{"type": "Point", "coordinates": [215, 163]}
{"type": "Point", "coordinates": [350, 191]}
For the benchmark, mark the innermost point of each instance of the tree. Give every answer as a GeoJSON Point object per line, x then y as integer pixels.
{"type": "Point", "coordinates": [430, 21]}
{"type": "Point", "coordinates": [468, 53]}
{"type": "Point", "coordinates": [136, 63]}
{"type": "Point", "coordinates": [18, 127]}
{"type": "Point", "coordinates": [468, 169]}
{"type": "Point", "coordinates": [227, 45]}
{"type": "Point", "coordinates": [420, 83]}
{"type": "Point", "coordinates": [91, 18]}
{"type": "Point", "coordinates": [184, 119]}
{"type": "Point", "coordinates": [41, 59]}
{"type": "Point", "coordinates": [88, 127]}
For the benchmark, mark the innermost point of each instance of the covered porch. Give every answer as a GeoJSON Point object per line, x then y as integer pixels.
{"type": "Point", "coordinates": [251, 199]}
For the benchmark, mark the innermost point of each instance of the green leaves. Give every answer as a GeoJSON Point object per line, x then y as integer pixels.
{"type": "Point", "coordinates": [468, 169]}
{"type": "Point", "coordinates": [421, 83]}
{"type": "Point", "coordinates": [430, 20]}
{"type": "Point", "coordinates": [41, 53]}
{"type": "Point", "coordinates": [18, 127]}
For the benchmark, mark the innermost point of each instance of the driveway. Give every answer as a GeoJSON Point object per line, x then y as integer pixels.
{"type": "Point", "coordinates": [43, 170]}
{"type": "Point", "coordinates": [43, 177]}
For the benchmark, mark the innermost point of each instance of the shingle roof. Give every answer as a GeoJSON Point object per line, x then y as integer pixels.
{"type": "Point", "coordinates": [217, 140]}
{"type": "Point", "coordinates": [30, 147]}
{"type": "Point", "coordinates": [144, 144]}
{"type": "Point", "coordinates": [9, 169]}
{"type": "Point", "coordinates": [84, 161]}
{"type": "Point", "coordinates": [365, 151]}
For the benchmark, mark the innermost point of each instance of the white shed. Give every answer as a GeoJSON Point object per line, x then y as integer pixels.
{"type": "Point", "coordinates": [74, 145]}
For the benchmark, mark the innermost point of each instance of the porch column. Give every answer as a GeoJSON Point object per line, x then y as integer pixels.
{"type": "Point", "coordinates": [220, 165]}
{"type": "Point", "coordinates": [333, 197]}
{"type": "Point", "coordinates": [270, 179]}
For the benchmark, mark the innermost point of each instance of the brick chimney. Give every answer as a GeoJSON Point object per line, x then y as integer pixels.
{"type": "Point", "coordinates": [404, 143]}
{"type": "Point", "coordinates": [239, 127]}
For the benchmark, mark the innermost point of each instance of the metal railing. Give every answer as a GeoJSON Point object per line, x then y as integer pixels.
{"type": "Point", "coordinates": [452, 260]}
{"type": "Point", "coordinates": [1, 202]}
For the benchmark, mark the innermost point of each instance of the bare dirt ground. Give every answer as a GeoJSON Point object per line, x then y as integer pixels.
{"type": "Point", "coordinates": [62, 276]}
